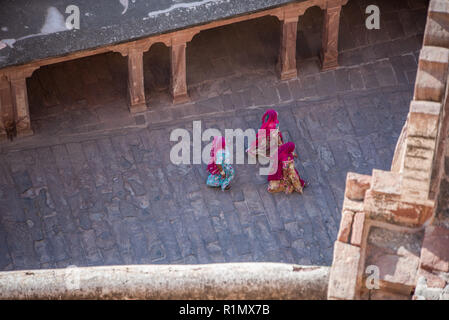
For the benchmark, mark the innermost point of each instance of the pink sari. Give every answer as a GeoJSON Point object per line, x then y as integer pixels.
{"type": "Point", "coordinates": [285, 154]}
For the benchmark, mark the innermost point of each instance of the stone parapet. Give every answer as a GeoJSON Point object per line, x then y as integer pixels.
{"type": "Point", "coordinates": [247, 281]}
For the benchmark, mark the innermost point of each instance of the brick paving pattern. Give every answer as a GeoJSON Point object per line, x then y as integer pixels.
{"type": "Point", "coordinates": [94, 185]}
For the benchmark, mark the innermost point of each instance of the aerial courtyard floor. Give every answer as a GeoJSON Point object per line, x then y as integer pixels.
{"type": "Point", "coordinates": [95, 186]}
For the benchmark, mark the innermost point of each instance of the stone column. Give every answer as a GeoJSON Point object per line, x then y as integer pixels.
{"type": "Point", "coordinates": [6, 107]}
{"type": "Point", "coordinates": [2, 125]}
{"type": "Point", "coordinates": [287, 52]}
{"type": "Point", "coordinates": [178, 81]}
{"type": "Point", "coordinates": [331, 25]}
{"type": "Point", "coordinates": [19, 96]}
{"type": "Point", "coordinates": [136, 88]}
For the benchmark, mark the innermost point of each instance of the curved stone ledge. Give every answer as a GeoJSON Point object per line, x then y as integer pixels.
{"type": "Point", "coordinates": [211, 281]}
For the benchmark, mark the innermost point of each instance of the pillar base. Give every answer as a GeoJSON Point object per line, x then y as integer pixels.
{"type": "Point", "coordinates": [141, 107]}
{"type": "Point", "coordinates": [3, 137]}
{"type": "Point", "coordinates": [328, 64]}
{"type": "Point", "coordinates": [288, 75]}
{"type": "Point", "coordinates": [24, 132]}
{"type": "Point", "coordinates": [184, 98]}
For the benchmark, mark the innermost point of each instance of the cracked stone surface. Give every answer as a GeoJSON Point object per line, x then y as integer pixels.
{"type": "Point", "coordinates": [94, 185]}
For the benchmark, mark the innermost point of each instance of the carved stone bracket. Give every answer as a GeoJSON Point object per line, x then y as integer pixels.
{"type": "Point", "coordinates": [14, 99]}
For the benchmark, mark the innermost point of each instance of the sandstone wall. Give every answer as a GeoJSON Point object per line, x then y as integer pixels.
{"type": "Point", "coordinates": [394, 223]}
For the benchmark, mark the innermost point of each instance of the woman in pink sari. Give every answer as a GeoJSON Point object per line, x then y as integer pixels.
{"type": "Point", "coordinates": [286, 178]}
{"type": "Point", "coordinates": [220, 170]}
{"type": "Point", "coordinates": [270, 123]}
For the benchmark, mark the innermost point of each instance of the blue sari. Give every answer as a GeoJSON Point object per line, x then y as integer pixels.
{"type": "Point", "coordinates": [216, 180]}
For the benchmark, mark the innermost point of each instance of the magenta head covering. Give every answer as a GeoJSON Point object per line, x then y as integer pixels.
{"type": "Point", "coordinates": [269, 119]}
{"type": "Point", "coordinates": [218, 144]}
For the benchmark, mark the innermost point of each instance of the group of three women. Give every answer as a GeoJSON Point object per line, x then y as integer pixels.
{"type": "Point", "coordinates": [285, 178]}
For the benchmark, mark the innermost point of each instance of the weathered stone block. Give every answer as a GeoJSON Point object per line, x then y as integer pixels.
{"type": "Point", "coordinates": [415, 188]}
{"type": "Point", "coordinates": [437, 32]}
{"type": "Point", "coordinates": [378, 206]}
{"type": "Point", "coordinates": [351, 205]}
{"type": "Point", "coordinates": [406, 212]}
{"type": "Point", "coordinates": [404, 209]}
{"type": "Point", "coordinates": [418, 164]}
{"type": "Point", "coordinates": [427, 87]}
{"type": "Point", "coordinates": [432, 280]}
{"type": "Point", "coordinates": [435, 250]}
{"type": "Point", "coordinates": [396, 254]}
{"type": "Point", "coordinates": [356, 185]}
{"type": "Point", "coordinates": [343, 275]}
{"type": "Point", "coordinates": [432, 71]}
{"type": "Point", "coordinates": [421, 142]}
{"type": "Point", "coordinates": [386, 182]}
{"type": "Point", "coordinates": [357, 229]}
{"type": "Point", "coordinates": [433, 58]}
{"type": "Point", "coordinates": [417, 174]}
{"type": "Point", "coordinates": [423, 119]}
{"type": "Point", "coordinates": [417, 152]}
{"type": "Point", "coordinates": [345, 226]}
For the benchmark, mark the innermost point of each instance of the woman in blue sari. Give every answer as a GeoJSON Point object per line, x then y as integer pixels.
{"type": "Point", "coordinates": [220, 170]}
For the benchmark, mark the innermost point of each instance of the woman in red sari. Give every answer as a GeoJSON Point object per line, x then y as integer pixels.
{"type": "Point", "coordinates": [270, 124]}
{"type": "Point", "coordinates": [286, 178]}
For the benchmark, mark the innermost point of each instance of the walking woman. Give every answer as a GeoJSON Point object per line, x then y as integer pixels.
{"type": "Point", "coordinates": [286, 178]}
{"type": "Point", "coordinates": [220, 170]}
{"type": "Point", "coordinates": [270, 123]}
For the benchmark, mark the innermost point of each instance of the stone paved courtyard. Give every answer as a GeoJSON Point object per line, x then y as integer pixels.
{"type": "Point", "coordinates": [94, 185]}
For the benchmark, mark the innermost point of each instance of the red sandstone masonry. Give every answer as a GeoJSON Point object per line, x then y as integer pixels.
{"type": "Point", "coordinates": [435, 33]}
{"type": "Point", "coordinates": [356, 186]}
{"type": "Point", "coordinates": [343, 275]}
{"type": "Point", "coordinates": [399, 199]}
{"type": "Point", "coordinates": [432, 280]}
{"type": "Point", "coordinates": [344, 232]}
{"type": "Point", "coordinates": [435, 250]}
{"type": "Point", "coordinates": [357, 229]}
{"type": "Point", "coordinates": [432, 74]}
